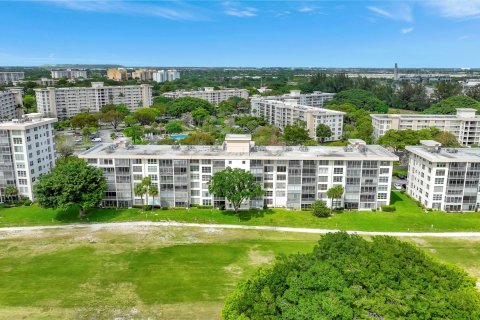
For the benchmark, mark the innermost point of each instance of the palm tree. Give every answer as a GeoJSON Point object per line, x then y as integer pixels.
{"type": "Point", "coordinates": [139, 191]}
{"type": "Point", "coordinates": [153, 191]}
{"type": "Point", "coordinates": [11, 191]}
{"type": "Point", "coordinates": [335, 192]}
{"type": "Point", "coordinates": [147, 184]}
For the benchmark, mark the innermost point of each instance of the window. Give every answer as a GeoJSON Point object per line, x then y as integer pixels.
{"type": "Point", "coordinates": [22, 182]}
{"type": "Point", "coordinates": [17, 140]}
{"type": "Point", "coordinates": [338, 162]}
{"type": "Point", "coordinates": [92, 161]}
{"type": "Point", "coordinates": [383, 179]}
{"type": "Point", "coordinates": [437, 197]}
{"type": "Point", "coordinates": [439, 180]}
{"type": "Point", "coordinates": [18, 149]}
{"type": "Point", "coordinates": [136, 169]}
{"type": "Point", "coordinates": [337, 170]}
{"type": "Point", "coordinates": [206, 169]}
{"type": "Point", "coordinates": [207, 202]}
{"type": "Point", "coordinates": [19, 157]}
{"type": "Point", "coordinates": [384, 170]}
{"type": "Point", "coordinates": [154, 161]}
{"type": "Point", "coordinates": [382, 196]}
{"type": "Point", "coordinates": [337, 179]}
{"type": "Point", "coordinates": [194, 168]}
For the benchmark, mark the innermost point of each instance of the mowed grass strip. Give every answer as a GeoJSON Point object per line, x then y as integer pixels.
{"type": "Point", "coordinates": [88, 275]}
{"type": "Point", "coordinates": [408, 218]}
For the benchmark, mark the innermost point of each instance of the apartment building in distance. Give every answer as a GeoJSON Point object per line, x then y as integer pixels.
{"type": "Point", "coordinates": [314, 99]}
{"type": "Point", "coordinates": [7, 77]}
{"type": "Point", "coordinates": [444, 178]}
{"type": "Point", "coordinates": [465, 124]}
{"type": "Point", "coordinates": [292, 177]}
{"type": "Point", "coordinates": [143, 74]}
{"type": "Point", "coordinates": [67, 102]}
{"type": "Point", "coordinates": [69, 74]}
{"type": "Point", "coordinates": [209, 94]}
{"type": "Point", "coordinates": [27, 151]}
{"type": "Point", "coordinates": [288, 112]}
{"type": "Point", "coordinates": [11, 103]}
{"type": "Point", "coordinates": [117, 74]}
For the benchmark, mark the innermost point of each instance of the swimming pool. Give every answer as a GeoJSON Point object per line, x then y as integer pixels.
{"type": "Point", "coordinates": [179, 136]}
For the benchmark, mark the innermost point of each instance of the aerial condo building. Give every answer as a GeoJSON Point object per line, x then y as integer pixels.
{"type": "Point", "coordinates": [292, 177]}
{"type": "Point", "coordinates": [209, 94]}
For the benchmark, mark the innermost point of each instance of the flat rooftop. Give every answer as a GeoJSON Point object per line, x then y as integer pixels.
{"type": "Point", "coordinates": [294, 105]}
{"type": "Point", "coordinates": [29, 120]}
{"type": "Point", "coordinates": [446, 154]}
{"type": "Point", "coordinates": [371, 152]}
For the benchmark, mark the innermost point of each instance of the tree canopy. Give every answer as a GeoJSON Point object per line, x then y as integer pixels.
{"type": "Point", "coordinates": [187, 104]}
{"type": "Point", "coordinates": [235, 185]}
{"type": "Point", "coordinates": [267, 136]}
{"type": "Point", "coordinates": [360, 98]}
{"type": "Point", "coordinates": [323, 131]}
{"type": "Point", "coordinates": [198, 138]}
{"type": "Point", "coordinates": [296, 134]}
{"type": "Point", "coordinates": [449, 105]}
{"type": "Point", "coordinates": [250, 122]}
{"type": "Point", "coordinates": [399, 139]}
{"type": "Point", "coordinates": [146, 116]}
{"type": "Point", "coordinates": [72, 182]}
{"type": "Point", "coordinates": [357, 122]}
{"type": "Point", "coordinates": [83, 120]}
{"type": "Point", "coordinates": [174, 126]}
{"type": "Point", "coordinates": [348, 277]}
{"type": "Point", "coordinates": [411, 97]}
{"type": "Point", "coordinates": [447, 89]}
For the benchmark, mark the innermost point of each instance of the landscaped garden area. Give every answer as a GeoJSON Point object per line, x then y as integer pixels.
{"type": "Point", "coordinates": [157, 272]}
{"type": "Point", "coordinates": [408, 217]}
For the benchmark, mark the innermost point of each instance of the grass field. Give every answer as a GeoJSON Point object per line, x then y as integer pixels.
{"type": "Point", "coordinates": [156, 272]}
{"type": "Point", "coordinates": [408, 217]}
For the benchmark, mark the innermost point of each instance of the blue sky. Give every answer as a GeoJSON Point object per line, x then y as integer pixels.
{"type": "Point", "coordinates": [423, 33]}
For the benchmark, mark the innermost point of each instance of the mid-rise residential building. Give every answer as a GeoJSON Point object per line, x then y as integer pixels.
{"type": "Point", "coordinates": [117, 74]}
{"type": "Point", "coordinates": [27, 151]}
{"type": "Point", "coordinates": [465, 124]}
{"type": "Point", "coordinates": [444, 178]}
{"type": "Point", "coordinates": [209, 94]}
{"type": "Point", "coordinates": [47, 82]}
{"type": "Point", "coordinates": [69, 74]}
{"type": "Point", "coordinates": [314, 99]}
{"type": "Point", "coordinates": [7, 77]}
{"type": "Point", "coordinates": [289, 112]}
{"type": "Point", "coordinates": [292, 177]}
{"type": "Point", "coordinates": [67, 102]}
{"type": "Point", "coordinates": [143, 74]}
{"type": "Point", "coordinates": [160, 76]}
{"type": "Point", "coordinates": [11, 103]}
{"type": "Point", "coordinates": [173, 75]}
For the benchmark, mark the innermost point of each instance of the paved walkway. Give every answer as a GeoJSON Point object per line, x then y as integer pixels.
{"type": "Point", "coordinates": [122, 225]}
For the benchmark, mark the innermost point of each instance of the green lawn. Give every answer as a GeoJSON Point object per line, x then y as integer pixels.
{"type": "Point", "coordinates": [151, 272]}
{"type": "Point", "coordinates": [408, 217]}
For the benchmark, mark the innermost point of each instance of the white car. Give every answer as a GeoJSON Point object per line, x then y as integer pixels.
{"type": "Point", "coordinates": [97, 140]}
{"type": "Point", "coordinates": [397, 186]}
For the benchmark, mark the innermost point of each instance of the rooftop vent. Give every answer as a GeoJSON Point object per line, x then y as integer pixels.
{"type": "Point", "coordinates": [303, 148]}
{"type": "Point", "coordinates": [452, 150]}
{"type": "Point", "coordinates": [348, 149]}
{"type": "Point", "coordinates": [176, 147]}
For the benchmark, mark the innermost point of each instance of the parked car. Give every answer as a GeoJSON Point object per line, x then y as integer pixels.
{"type": "Point", "coordinates": [401, 176]}
{"type": "Point", "coordinates": [397, 186]}
{"type": "Point", "coordinates": [97, 140]}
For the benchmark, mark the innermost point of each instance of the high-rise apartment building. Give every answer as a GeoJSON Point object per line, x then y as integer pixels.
{"type": "Point", "coordinates": [465, 125]}
{"type": "Point", "coordinates": [292, 177]}
{"type": "Point", "coordinates": [209, 94]}
{"type": "Point", "coordinates": [11, 103]}
{"type": "Point", "coordinates": [444, 178]}
{"type": "Point", "coordinates": [67, 102]}
{"type": "Point", "coordinates": [168, 75]}
{"type": "Point", "coordinates": [314, 99]}
{"type": "Point", "coordinates": [288, 112]}
{"type": "Point", "coordinates": [143, 74]}
{"type": "Point", "coordinates": [117, 74]}
{"type": "Point", "coordinates": [27, 151]}
{"type": "Point", "coordinates": [7, 77]}
{"type": "Point", "coordinates": [69, 74]}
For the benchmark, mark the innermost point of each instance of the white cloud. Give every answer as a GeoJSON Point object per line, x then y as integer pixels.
{"type": "Point", "coordinates": [127, 7]}
{"type": "Point", "coordinates": [456, 9]}
{"type": "Point", "coordinates": [306, 9]}
{"type": "Point", "coordinates": [242, 13]}
{"type": "Point", "coordinates": [400, 12]}
{"type": "Point", "coordinates": [236, 10]}
{"type": "Point", "coordinates": [406, 30]}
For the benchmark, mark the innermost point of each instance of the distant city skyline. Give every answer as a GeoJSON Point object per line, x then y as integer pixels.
{"type": "Point", "coordinates": [415, 34]}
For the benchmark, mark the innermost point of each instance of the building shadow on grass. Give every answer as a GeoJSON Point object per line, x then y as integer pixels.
{"type": "Point", "coordinates": [248, 214]}
{"type": "Point", "coordinates": [394, 198]}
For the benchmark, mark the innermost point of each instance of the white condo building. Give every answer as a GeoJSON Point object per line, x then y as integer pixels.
{"type": "Point", "coordinates": [314, 99]}
{"type": "Point", "coordinates": [6, 77]}
{"type": "Point", "coordinates": [288, 112]}
{"type": "Point", "coordinates": [11, 103]}
{"type": "Point", "coordinates": [444, 178]}
{"type": "Point", "coordinates": [465, 125]}
{"type": "Point", "coordinates": [293, 177]}
{"type": "Point", "coordinates": [166, 75]}
{"type": "Point", "coordinates": [69, 74]}
{"type": "Point", "coordinates": [67, 102]}
{"type": "Point", "coordinates": [209, 94]}
{"type": "Point", "coordinates": [27, 151]}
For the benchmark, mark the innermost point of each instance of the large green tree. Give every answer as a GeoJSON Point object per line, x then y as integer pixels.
{"type": "Point", "coordinates": [449, 105]}
{"type": "Point", "coordinates": [323, 131]}
{"type": "Point", "coordinates": [84, 120]}
{"type": "Point", "coordinates": [198, 138]}
{"type": "Point", "coordinates": [113, 117]}
{"type": "Point", "coordinates": [349, 277]}
{"type": "Point", "coordinates": [145, 116]}
{"type": "Point", "coordinates": [72, 182]}
{"type": "Point", "coordinates": [334, 193]}
{"type": "Point", "coordinates": [187, 104]}
{"type": "Point", "coordinates": [174, 126]}
{"type": "Point", "coordinates": [411, 97]}
{"type": "Point", "coordinates": [399, 139]}
{"type": "Point", "coordinates": [235, 185]}
{"type": "Point", "coordinates": [447, 89]}
{"type": "Point", "coordinates": [296, 134]}
{"type": "Point", "coordinates": [362, 99]}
